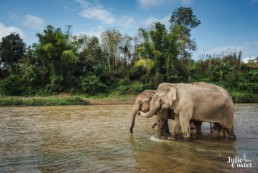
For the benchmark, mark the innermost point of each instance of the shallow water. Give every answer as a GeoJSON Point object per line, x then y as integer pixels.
{"type": "Point", "coordinates": [97, 139]}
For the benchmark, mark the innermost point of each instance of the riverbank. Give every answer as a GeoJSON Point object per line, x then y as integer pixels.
{"type": "Point", "coordinates": [60, 100]}
{"type": "Point", "coordinates": [101, 99]}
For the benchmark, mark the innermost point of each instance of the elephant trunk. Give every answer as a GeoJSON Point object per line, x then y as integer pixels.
{"type": "Point", "coordinates": [151, 112]}
{"type": "Point", "coordinates": [134, 111]}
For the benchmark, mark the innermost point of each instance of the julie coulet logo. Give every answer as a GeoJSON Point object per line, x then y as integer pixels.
{"type": "Point", "coordinates": [239, 162]}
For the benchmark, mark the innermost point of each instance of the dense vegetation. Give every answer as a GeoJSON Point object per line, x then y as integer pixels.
{"type": "Point", "coordinates": [120, 64]}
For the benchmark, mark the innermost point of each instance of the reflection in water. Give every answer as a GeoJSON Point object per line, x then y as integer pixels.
{"type": "Point", "coordinates": [97, 139]}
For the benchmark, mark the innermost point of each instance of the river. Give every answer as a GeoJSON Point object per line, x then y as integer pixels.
{"type": "Point", "coordinates": [97, 139]}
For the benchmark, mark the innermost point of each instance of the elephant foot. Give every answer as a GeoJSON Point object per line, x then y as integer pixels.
{"type": "Point", "coordinates": [163, 136]}
{"type": "Point", "coordinates": [199, 133]}
{"type": "Point", "coordinates": [219, 137]}
{"type": "Point", "coordinates": [188, 139]}
{"type": "Point", "coordinates": [232, 137]}
{"type": "Point", "coordinates": [173, 137]}
{"type": "Point", "coordinates": [198, 137]}
{"type": "Point", "coordinates": [167, 134]}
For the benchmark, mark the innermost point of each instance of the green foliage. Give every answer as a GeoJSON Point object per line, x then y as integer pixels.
{"type": "Point", "coordinates": [41, 101]}
{"type": "Point", "coordinates": [12, 49]}
{"type": "Point", "coordinates": [183, 20]}
{"type": "Point", "coordinates": [56, 83]}
{"type": "Point", "coordinates": [119, 64]}
{"type": "Point", "coordinates": [134, 88]}
{"type": "Point", "coordinates": [184, 16]}
{"type": "Point", "coordinates": [147, 64]}
{"type": "Point", "coordinates": [244, 97]}
{"type": "Point", "coordinates": [91, 84]}
{"type": "Point", "coordinates": [57, 57]}
{"type": "Point", "coordinates": [68, 57]}
{"type": "Point", "coordinates": [12, 85]}
{"type": "Point", "coordinates": [10, 101]}
{"type": "Point", "coordinates": [111, 39]}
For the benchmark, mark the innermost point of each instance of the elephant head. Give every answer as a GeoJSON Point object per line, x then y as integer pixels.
{"type": "Point", "coordinates": [142, 103]}
{"type": "Point", "coordinates": [163, 99]}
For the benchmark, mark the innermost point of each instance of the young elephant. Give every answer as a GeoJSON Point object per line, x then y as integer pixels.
{"type": "Point", "coordinates": [199, 101]}
{"type": "Point", "coordinates": [142, 103]}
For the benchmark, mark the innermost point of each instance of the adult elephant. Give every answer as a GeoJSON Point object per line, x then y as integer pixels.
{"type": "Point", "coordinates": [142, 103]}
{"type": "Point", "coordinates": [199, 101]}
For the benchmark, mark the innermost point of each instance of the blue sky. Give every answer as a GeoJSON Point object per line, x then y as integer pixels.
{"type": "Point", "coordinates": [226, 25]}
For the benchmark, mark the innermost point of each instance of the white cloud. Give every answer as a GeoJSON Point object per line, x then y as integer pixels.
{"type": "Point", "coordinates": [249, 50]}
{"type": "Point", "coordinates": [96, 12]}
{"type": "Point", "coordinates": [99, 14]}
{"type": "Point", "coordinates": [33, 21]}
{"type": "Point", "coordinates": [151, 20]}
{"type": "Point", "coordinates": [96, 31]}
{"type": "Point", "coordinates": [6, 30]}
{"type": "Point", "coordinates": [155, 3]}
{"type": "Point", "coordinates": [226, 49]}
{"type": "Point", "coordinates": [126, 22]}
{"type": "Point", "coordinates": [246, 59]}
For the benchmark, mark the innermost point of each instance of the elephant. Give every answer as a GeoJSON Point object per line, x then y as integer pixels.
{"type": "Point", "coordinates": [219, 128]}
{"type": "Point", "coordinates": [142, 104]}
{"type": "Point", "coordinates": [199, 101]}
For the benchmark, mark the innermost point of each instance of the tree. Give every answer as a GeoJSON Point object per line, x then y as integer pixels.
{"type": "Point", "coordinates": [184, 18]}
{"type": "Point", "coordinates": [110, 40]}
{"type": "Point", "coordinates": [161, 47]}
{"type": "Point", "coordinates": [125, 49]}
{"type": "Point", "coordinates": [31, 69]}
{"type": "Point", "coordinates": [12, 85]}
{"type": "Point", "coordinates": [58, 58]}
{"type": "Point", "coordinates": [91, 54]}
{"type": "Point", "coordinates": [12, 49]}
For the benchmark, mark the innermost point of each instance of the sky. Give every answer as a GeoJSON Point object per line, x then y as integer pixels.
{"type": "Point", "coordinates": [226, 25]}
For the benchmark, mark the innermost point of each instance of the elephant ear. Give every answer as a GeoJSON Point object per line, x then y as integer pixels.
{"type": "Point", "coordinates": [172, 95]}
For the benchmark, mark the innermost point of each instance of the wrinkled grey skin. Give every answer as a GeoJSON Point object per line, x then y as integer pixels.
{"type": "Point", "coordinates": [199, 101]}
{"type": "Point", "coordinates": [142, 103]}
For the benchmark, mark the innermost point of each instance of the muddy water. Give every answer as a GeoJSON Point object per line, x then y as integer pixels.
{"type": "Point", "coordinates": [97, 139]}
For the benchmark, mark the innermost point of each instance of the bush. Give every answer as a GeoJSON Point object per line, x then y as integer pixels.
{"type": "Point", "coordinates": [241, 97]}
{"type": "Point", "coordinates": [42, 101]}
{"type": "Point", "coordinates": [12, 85]}
{"type": "Point", "coordinates": [10, 101]}
{"type": "Point", "coordinates": [91, 84]}
{"type": "Point", "coordinates": [134, 88]}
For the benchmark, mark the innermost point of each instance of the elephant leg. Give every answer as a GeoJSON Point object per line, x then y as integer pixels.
{"type": "Point", "coordinates": [176, 127]}
{"type": "Point", "coordinates": [185, 126]}
{"type": "Point", "coordinates": [163, 130]}
{"type": "Point", "coordinates": [162, 122]}
{"type": "Point", "coordinates": [198, 126]}
{"type": "Point", "coordinates": [220, 128]}
{"type": "Point", "coordinates": [211, 131]}
{"type": "Point", "coordinates": [166, 128]}
{"type": "Point", "coordinates": [231, 133]}
{"type": "Point", "coordinates": [224, 132]}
